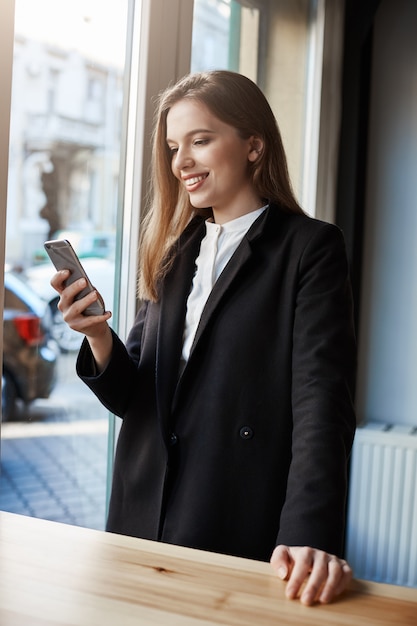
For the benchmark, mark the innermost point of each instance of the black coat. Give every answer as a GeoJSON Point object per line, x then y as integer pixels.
{"type": "Point", "coordinates": [248, 447]}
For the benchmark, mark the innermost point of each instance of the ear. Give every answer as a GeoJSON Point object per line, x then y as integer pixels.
{"type": "Point", "coordinates": [256, 146]}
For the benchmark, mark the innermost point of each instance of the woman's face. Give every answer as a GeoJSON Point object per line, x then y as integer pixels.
{"type": "Point", "coordinates": [212, 161]}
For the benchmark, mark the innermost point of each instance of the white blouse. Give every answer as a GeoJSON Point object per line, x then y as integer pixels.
{"type": "Point", "coordinates": [216, 249]}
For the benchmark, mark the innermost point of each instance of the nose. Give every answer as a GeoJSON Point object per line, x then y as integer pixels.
{"type": "Point", "coordinates": [182, 158]}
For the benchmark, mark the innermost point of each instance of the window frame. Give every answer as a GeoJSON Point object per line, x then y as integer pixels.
{"type": "Point", "coordinates": [7, 8]}
{"type": "Point", "coordinates": [158, 53]}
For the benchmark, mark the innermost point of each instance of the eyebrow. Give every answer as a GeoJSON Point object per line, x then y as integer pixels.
{"type": "Point", "coordinates": [195, 132]}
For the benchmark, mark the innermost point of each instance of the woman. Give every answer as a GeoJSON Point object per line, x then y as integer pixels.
{"type": "Point", "coordinates": [235, 382]}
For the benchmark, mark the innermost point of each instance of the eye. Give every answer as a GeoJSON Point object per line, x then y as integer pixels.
{"type": "Point", "coordinates": [200, 142]}
{"type": "Point", "coordinates": [172, 149]}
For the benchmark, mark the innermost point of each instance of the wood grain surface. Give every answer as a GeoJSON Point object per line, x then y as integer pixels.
{"type": "Point", "coordinates": [60, 575]}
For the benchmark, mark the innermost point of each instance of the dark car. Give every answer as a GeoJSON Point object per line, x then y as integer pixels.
{"type": "Point", "coordinates": [29, 354]}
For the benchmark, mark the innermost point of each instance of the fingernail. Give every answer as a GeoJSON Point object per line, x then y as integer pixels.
{"type": "Point", "coordinates": [307, 598]}
{"type": "Point", "coordinates": [282, 573]}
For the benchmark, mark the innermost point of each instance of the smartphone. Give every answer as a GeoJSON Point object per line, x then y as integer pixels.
{"type": "Point", "coordinates": [64, 257]}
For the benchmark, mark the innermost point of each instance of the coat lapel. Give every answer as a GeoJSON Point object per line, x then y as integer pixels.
{"type": "Point", "coordinates": [174, 295]}
{"type": "Point", "coordinates": [242, 254]}
{"type": "Point", "coordinates": [173, 308]}
{"type": "Point", "coordinates": [239, 258]}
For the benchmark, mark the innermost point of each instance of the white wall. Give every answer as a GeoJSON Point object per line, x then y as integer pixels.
{"type": "Point", "coordinates": [387, 377]}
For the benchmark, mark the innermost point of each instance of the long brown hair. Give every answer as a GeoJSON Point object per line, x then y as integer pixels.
{"type": "Point", "coordinates": [237, 101]}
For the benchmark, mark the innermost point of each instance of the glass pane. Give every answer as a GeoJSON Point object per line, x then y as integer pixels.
{"type": "Point", "coordinates": [67, 98]}
{"type": "Point", "coordinates": [219, 29]}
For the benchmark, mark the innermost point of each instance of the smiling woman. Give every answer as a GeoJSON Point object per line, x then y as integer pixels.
{"type": "Point", "coordinates": [233, 103]}
{"type": "Point", "coordinates": [212, 161]}
{"type": "Point", "coordinates": [234, 384]}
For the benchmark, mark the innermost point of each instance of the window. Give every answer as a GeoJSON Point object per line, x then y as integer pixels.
{"type": "Point", "coordinates": [64, 172]}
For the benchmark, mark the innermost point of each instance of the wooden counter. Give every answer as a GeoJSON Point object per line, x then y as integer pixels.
{"type": "Point", "coordinates": [54, 574]}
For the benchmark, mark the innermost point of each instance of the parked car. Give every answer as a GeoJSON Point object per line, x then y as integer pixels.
{"type": "Point", "coordinates": [101, 273]}
{"type": "Point", "coordinates": [29, 353]}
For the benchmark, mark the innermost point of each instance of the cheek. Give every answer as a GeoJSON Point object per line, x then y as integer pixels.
{"type": "Point", "coordinates": [231, 159]}
{"type": "Point", "coordinates": [174, 169]}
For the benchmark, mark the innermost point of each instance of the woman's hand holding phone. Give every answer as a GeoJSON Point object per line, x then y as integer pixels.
{"type": "Point", "coordinates": [94, 327]}
{"type": "Point", "coordinates": [81, 305]}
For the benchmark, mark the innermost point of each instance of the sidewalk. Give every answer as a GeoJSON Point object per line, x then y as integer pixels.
{"type": "Point", "coordinates": [55, 476]}
{"type": "Point", "coordinates": [54, 462]}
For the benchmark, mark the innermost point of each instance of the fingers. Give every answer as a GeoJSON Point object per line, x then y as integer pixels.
{"type": "Point", "coordinates": [58, 280]}
{"type": "Point", "coordinates": [72, 310]}
{"type": "Point", "coordinates": [67, 295]}
{"type": "Point", "coordinates": [67, 292]}
{"type": "Point", "coordinates": [340, 575]}
{"type": "Point", "coordinates": [281, 561]}
{"type": "Point", "coordinates": [303, 566]}
{"type": "Point", "coordinates": [317, 575]}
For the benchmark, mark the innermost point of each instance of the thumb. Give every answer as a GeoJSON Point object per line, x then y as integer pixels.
{"type": "Point", "coordinates": [280, 561]}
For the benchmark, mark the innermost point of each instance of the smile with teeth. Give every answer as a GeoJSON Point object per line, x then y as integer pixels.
{"type": "Point", "coordinates": [194, 180]}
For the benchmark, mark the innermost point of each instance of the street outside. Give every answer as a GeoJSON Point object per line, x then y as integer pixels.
{"type": "Point", "coordinates": [54, 459]}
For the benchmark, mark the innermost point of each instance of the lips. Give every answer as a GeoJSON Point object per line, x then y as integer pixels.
{"type": "Point", "coordinates": [194, 181]}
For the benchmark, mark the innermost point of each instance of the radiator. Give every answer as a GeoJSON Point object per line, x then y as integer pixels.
{"type": "Point", "coordinates": [382, 506]}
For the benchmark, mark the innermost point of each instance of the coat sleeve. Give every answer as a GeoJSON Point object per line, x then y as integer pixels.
{"type": "Point", "coordinates": [115, 385]}
{"type": "Point", "coordinates": [323, 370]}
